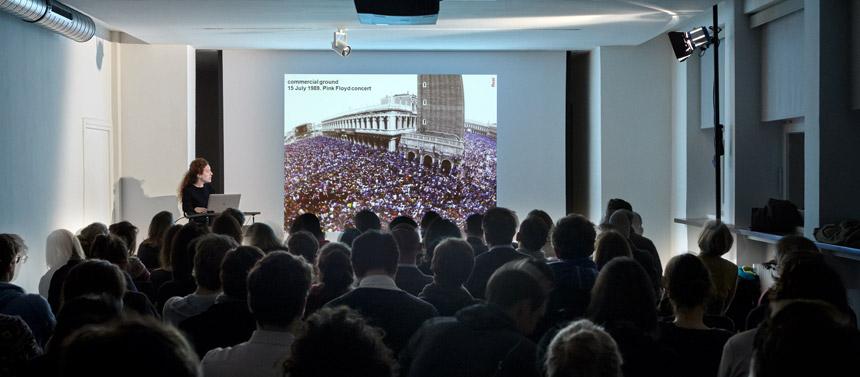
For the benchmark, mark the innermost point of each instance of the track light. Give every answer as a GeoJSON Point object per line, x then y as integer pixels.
{"type": "Point", "coordinates": [685, 43]}
{"type": "Point", "coordinates": [339, 43]}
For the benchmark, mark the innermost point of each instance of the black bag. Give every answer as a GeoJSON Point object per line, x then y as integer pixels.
{"type": "Point", "coordinates": [778, 216]}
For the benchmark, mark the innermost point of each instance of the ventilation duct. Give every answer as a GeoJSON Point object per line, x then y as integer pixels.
{"type": "Point", "coordinates": [53, 15]}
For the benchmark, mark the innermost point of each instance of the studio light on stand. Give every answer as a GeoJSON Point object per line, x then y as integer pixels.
{"type": "Point", "coordinates": [339, 43]}
{"type": "Point", "coordinates": [684, 44]}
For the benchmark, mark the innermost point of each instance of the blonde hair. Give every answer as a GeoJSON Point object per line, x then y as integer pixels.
{"type": "Point", "coordinates": [62, 246]}
{"type": "Point", "coordinates": [583, 349]}
{"type": "Point", "coordinates": [716, 239]}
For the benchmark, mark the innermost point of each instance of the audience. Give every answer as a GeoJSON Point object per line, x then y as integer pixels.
{"type": "Point", "coordinates": [488, 339]}
{"type": "Point", "coordinates": [641, 242]}
{"type": "Point", "coordinates": [339, 342]}
{"type": "Point", "coordinates": [573, 240]}
{"type": "Point", "coordinates": [32, 308]}
{"type": "Point", "coordinates": [228, 226]}
{"type": "Point", "coordinates": [62, 252]}
{"type": "Point", "coordinates": [210, 251]}
{"type": "Point", "coordinates": [17, 345]}
{"type": "Point", "coordinates": [438, 230]}
{"type": "Point", "coordinates": [348, 235]}
{"type": "Point", "coordinates": [304, 244]}
{"type": "Point", "coordinates": [366, 220]}
{"type": "Point", "coordinates": [610, 244]}
{"type": "Point", "coordinates": [532, 236]}
{"type": "Point", "coordinates": [210, 329]}
{"type": "Point", "coordinates": [452, 265]}
{"type": "Point", "coordinates": [402, 220]}
{"type": "Point", "coordinates": [113, 249]}
{"type": "Point", "coordinates": [547, 249]}
{"type": "Point", "coordinates": [182, 263]}
{"type": "Point", "coordinates": [500, 226]}
{"type": "Point", "coordinates": [277, 288]}
{"type": "Point", "coordinates": [311, 223]}
{"type": "Point", "coordinates": [409, 278]}
{"type": "Point", "coordinates": [336, 276]}
{"type": "Point", "coordinates": [699, 347]}
{"type": "Point", "coordinates": [620, 221]}
{"type": "Point", "coordinates": [96, 276]}
{"type": "Point", "coordinates": [164, 272]}
{"type": "Point", "coordinates": [583, 349]}
{"type": "Point", "coordinates": [150, 248]}
{"type": "Point", "coordinates": [475, 233]}
{"type": "Point", "coordinates": [714, 242]}
{"type": "Point", "coordinates": [128, 233]}
{"type": "Point", "coordinates": [377, 297]}
{"type": "Point", "coordinates": [263, 237]}
{"type": "Point", "coordinates": [87, 235]}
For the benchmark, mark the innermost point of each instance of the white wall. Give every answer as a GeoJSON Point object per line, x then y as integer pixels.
{"type": "Point", "coordinates": [530, 105]}
{"type": "Point", "coordinates": [48, 85]}
{"type": "Point", "coordinates": [636, 134]}
{"type": "Point", "coordinates": [157, 97]}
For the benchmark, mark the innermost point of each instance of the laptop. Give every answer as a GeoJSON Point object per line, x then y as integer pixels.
{"type": "Point", "coordinates": [220, 202]}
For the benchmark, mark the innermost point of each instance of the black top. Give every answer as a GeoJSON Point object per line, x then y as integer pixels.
{"type": "Point", "coordinates": [398, 313]}
{"type": "Point", "coordinates": [486, 264]}
{"type": "Point", "coordinates": [56, 289]}
{"type": "Point", "coordinates": [478, 245]}
{"type": "Point", "coordinates": [645, 244]}
{"type": "Point", "coordinates": [193, 197]}
{"type": "Point", "coordinates": [699, 351]}
{"type": "Point", "coordinates": [148, 255]}
{"type": "Point", "coordinates": [448, 301]}
{"type": "Point", "coordinates": [411, 279]}
{"type": "Point", "coordinates": [480, 341]}
{"type": "Point", "coordinates": [226, 323]}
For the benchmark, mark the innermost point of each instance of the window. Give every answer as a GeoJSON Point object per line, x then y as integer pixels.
{"type": "Point", "coordinates": [424, 102]}
{"type": "Point", "coordinates": [423, 122]}
{"type": "Point", "coordinates": [424, 84]}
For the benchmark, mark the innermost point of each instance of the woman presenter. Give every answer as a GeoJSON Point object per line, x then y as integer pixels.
{"type": "Point", "coordinates": [195, 188]}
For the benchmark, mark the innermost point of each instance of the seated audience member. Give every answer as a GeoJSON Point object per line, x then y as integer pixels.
{"type": "Point", "coordinates": [452, 265]}
{"type": "Point", "coordinates": [96, 276]}
{"type": "Point", "coordinates": [182, 262]}
{"type": "Point", "coordinates": [164, 272]}
{"type": "Point", "coordinates": [209, 254]}
{"type": "Point", "coordinates": [263, 236]}
{"type": "Point", "coordinates": [714, 242]}
{"type": "Point", "coordinates": [228, 226]}
{"type": "Point", "coordinates": [62, 252]}
{"type": "Point", "coordinates": [500, 226]}
{"type": "Point", "coordinates": [134, 266]}
{"type": "Point", "coordinates": [236, 214]}
{"type": "Point", "coordinates": [488, 339]}
{"type": "Point", "coordinates": [409, 278]}
{"type": "Point", "coordinates": [348, 235]}
{"type": "Point", "coordinates": [87, 235]}
{"type": "Point", "coordinates": [402, 220]}
{"type": "Point", "coordinates": [475, 233]}
{"type": "Point", "coordinates": [698, 346]}
{"type": "Point", "coordinates": [277, 288]}
{"type": "Point", "coordinates": [573, 240]}
{"type": "Point", "coordinates": [228, 321]}
{"type": "Point", "coordinates": [438, 230]}
{"type": "Point", "coordinates": [425, 222]}
{"type": "Point", "coordinates": [531, 237]}
{"type": "Point", "coordinates": [377, 298]}
{"type": "Point", "coordinates": [786, 247]}
{"type": "Point", "coordinates": [613, 205]}
{"type": "Point", "coordinates": [132, 347]}
{"type": "Point", "coordinates": [88, 309]}
{"type": "Point", "coordinates": [304, 244]}
{"type": "Point", "coordinates": [150, 247]}
{"type": "Point", "coordinates": [642, 243]}
{"type": "Point", "coordinates": [366, 220]}
{"type": "Point", "coordinates": [339, 342]}
{"type": "Point", "coordinates": [311, 223]}
{"type": "Point", "coordinates": [804, 275]}
{"type": "Point", "coordinates": [17, 345]}
{"type": "Point", "coordinates": [622, 302]}
{"type": "Point", "coordinates": [610, 244]}
{"type": "Point", "coordinates": [336, 276]}
{"type": "Point", "coordinates": [620, 221]}
{"type": "Point", "coordinates": [583, 349]}
{"type": "Point", "coordinates": [113, 249]}
{"type": "Point", "coordinates": [806, 338]}
{"type": "Point", "coordinates": [32, 308]}
{"type": "Point", "coordinates": [547, 249]}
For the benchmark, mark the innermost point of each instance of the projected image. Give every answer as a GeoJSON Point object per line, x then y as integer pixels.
{"type": "Point", "coordinates": [394, 144]}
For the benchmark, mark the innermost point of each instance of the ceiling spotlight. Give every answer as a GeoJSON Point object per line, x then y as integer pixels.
{"type": "Point", "coordinates": [339, 43]}
{"type": "Point", "coordinates": [685, 43]}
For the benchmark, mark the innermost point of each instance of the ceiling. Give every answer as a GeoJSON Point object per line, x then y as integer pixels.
{"type": "Point", "coordinates": [463, 24]}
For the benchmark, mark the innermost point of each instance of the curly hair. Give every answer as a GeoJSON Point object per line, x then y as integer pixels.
{"type": "Point", "coordinates": [196, 167]}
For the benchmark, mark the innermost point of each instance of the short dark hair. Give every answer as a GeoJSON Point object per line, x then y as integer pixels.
{"type": "Point", "coordinates": [407, 239]}
{"type": "Point", "coordinates": [128, 232]}
{"type": "Point", "coordinates": [182, 258]}
{"type": "Point", "coordinates": [263, 236]}
{"type": "Point", "coordinates": [428, 218]}
{"type": "Point", "coordinates": [349, 235]}
{"type": "Point", "coordinates": [623, 294]}
{"type": "Point", "coordinates": [234, 270]}
{"type": "Point", "coordinates": [523, 279]}
{"type": "Point", "coordinates": [500, 226]}
{"type": "Point", "coordinates": [81, 311]}
{"type": "Point", "coordinates": [307, 222]}
{"type": "Point", "coordinates": [402, 220]}
{"type": "Point", "coordinates": [111, 248]}
{"type": "Point", "coordinates": [613, 205]}
{"type": "Point", "coordinates": [228, 226]}
{"type": "Point", "coordinates": [335, 267]}
{"type": "Point", "coordinates": [277, 288]}
{"type": "Point", "coordinates": [374, 249]}
{"type": "Point", "coordinates": [533, 233]}
{"type": "Point", "coordinates": [88, 234]}
{"type": "Point", "coordinates": [688, 281]}
{"type": "Point", "coordinates": [303, 244]}
{"type": "Point", "coordinates": [165, 253]}
{"type": "Point", "coordinates": [366, 220]}
{"type": "Point", "coordinates": [128, 347]}
{"type": "Point", "coordinates": [453, 262]}
{"type": "Point", "coordinates": [573, 237]}
{"type": "Point", "coordinates": [208, 256]}
{"type": "Point", "coordinates": [473, 224]}
{"type": "Point", "coordinates": [611, 244]}
{"type": "Point", "coordinates": [541, 214]}
{"type": "Point", "coordinates": [10, 246]}
{"type": "Point", "coordinates": [353, 347]}
{"type": "Point", "coordinates": [236, 214]}
{"type": "Point", "coordinates": [93, 276]}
